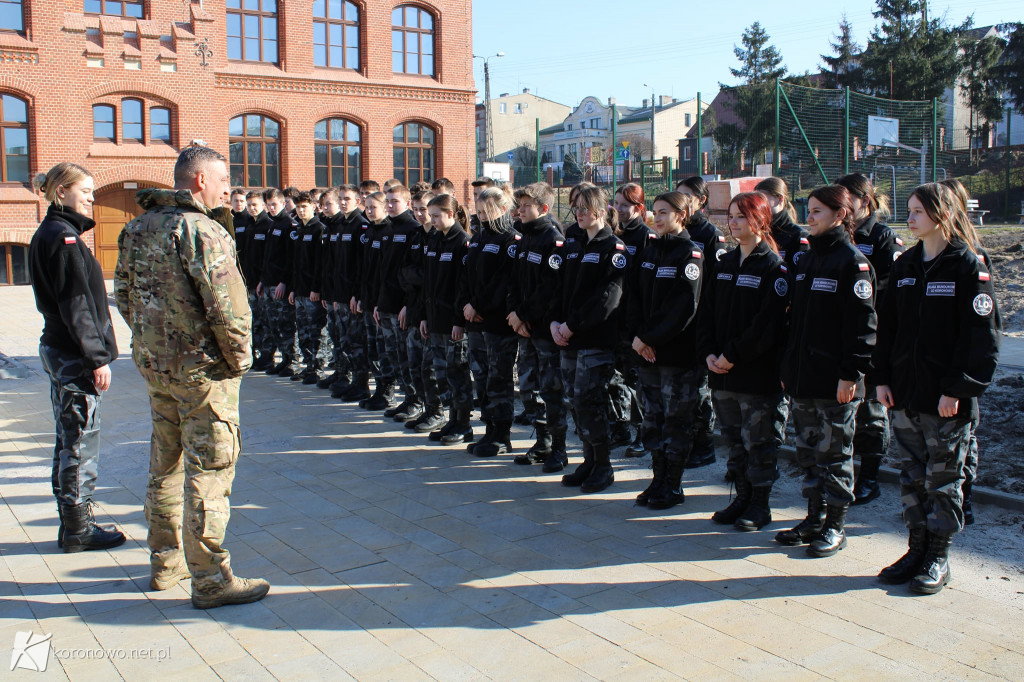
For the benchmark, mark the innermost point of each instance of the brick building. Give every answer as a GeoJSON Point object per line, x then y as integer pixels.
{"type": "Point", "coordinates": [305, 93]}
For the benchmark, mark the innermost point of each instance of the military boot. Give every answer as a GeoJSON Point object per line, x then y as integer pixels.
{"type": "Point", "coordinates": [602, 475]}
{"type": "Point", "coordinates": [637, 447]}
{"type": "Point", "coordinates": [167, 578]}
{"type": "Point", "coordinates": [866, 486]}
{"type": "Point", "coordinates": [431, 419]}
{"type": "Point", "coordinates": [557, 459]}
{"type": "Point", "coordinates": [264, 363]}
{"type": "Point", "coordinates": [658, 478]}
{"type": "Point", "coordinates": [619, 435]}
{"type": "Point", "coordinates": [832, 537]}
{"type": "Point", "coordinates": [341, 384]}
{"type": "Point", "coordinates": [60, 528]}
{"type": "Point", "coordinates": [462, 431]}
{"type": "Point", "coordinates": [357, 392]}
{"type": "Point", "coordinates": [809, 527]}
{"type": "Point", "coordinates": [758, 513]}
{"type": "Point", "coordinates": [934, 573]}
{"type": "Point", "coordinates": [381, 398]}
{"type": "Point", "coordinates": [412, 411]}
{"type": "Point", "coordinates": [328, 380]}
{"type": "Point", "coordinates": [82, 533]}
{"type": "Point", "coordinates": [392, 411]}
{"type": "Point", "coordinates": [671, 491]}
{"type": "Point", "coordinates": [453, 418]}
{"type": "Point", "coordinates": [576, 478]}
{"type": "Point", "coordinates": [703, 452]}
{"type": "Point", "coordinates": [487, 438]}
{"type": "Point", "coordinates": [540, 450]}
{"type": "Point", "coordinates": [908, 565]}
{"type": "Point", "coordinates": [738, 504]}
{"type": "Point", "coordinates": [238, 591]}
{"type": "Point", "coordinates": [500, 443]}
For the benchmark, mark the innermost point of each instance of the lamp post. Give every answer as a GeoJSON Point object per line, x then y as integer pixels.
{"type": "Point", "coordinates": [652, 119]}
{"type": "Point", "coordinates": [488, 142]}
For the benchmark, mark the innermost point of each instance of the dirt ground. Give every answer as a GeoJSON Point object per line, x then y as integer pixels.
{"type": "Point", "coordinates": [1005, 249]}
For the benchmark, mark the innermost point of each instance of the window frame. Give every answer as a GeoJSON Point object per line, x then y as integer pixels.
{"type": "Point", "coordinates": [345, 24]}
{"type": "Point", "coordinates": [21, 8]}
{"type": "Point", "coordinates": [142, 139]}
{"type": "Point", "coordinates": [262, 15]}
{"type": "Point", "coordinates": [25, 125]}
{"type": "Point", "coordinates": [124, 5]}
{"type": "Point", "coordinates": [406, 146]}
{"type": "Point", "coordinates": [112, 122]}
{"type": "Point", "coordinates": [405, 31]}
{"type": "Point", "coordinates": [7, 256]}
{"type": "Point", "coordinates": [263, 139]}
{"type": "Point", "coordinates": [151, 139]}
{"type": "Point", "coordinates": [329, 142]}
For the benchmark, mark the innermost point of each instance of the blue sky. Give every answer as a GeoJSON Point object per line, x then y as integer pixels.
{"type": "Point", "coordinates": [567, 49]}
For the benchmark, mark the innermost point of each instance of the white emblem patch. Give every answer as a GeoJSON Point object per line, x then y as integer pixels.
{"type": "Point", "coordinates": [554, 261]}
{"type": "Point", "coordinates": [619, 260]}
{"type": "Point", "coordinates": [796, 256]}
{"type": "Point", "coordinates": [719, 254]}
{"type": "Point", "coordinates": [781, 286]}
{"type": "Point", "coordinates": [983, 305]}
{"type": "Point", "coordinates": [692, 271]}
{"type": "Point", "coordinates": [863, 289]}
{"type": "Point", "coordinates": [511, 250]}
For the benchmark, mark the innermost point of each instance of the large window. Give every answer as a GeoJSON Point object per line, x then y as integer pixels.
{"type": "Point", "coordinates": [254, 151]}
{"type": "Point", "coordinates": [414, 153]}
{"type": "Point", "coordinates": [11, 16]}
{"type": "Point", "coordinates": [131, 120]}
{"type": "Point", "coordinates": [13, 139]}
{"type": "Point", "coordinates": [160, 124]}
{"type": "Point", "coordinates": [13, 264]}
{"type": "Point", "coordinates": [412, 40]}
{"type": "Point", "coordinates": [335, 34]}
{"type": "Point", "coordinates": [103, 126]}
{"type": "Point", "coordinates": [252, 30]}
{"type": "Point", "coordinates": [130, 8]}
{"type": "Point", "coordinates": [337, 152]}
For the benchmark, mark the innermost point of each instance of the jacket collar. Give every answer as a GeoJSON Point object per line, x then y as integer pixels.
{"type": "Point", "coordinates": [865, 228]}
{"type": "Point", "coordinates": [633, 224]}
{"type": "Point", "coordinates": [828, 239]}
{"type": "Point", "coordinates": [453, 232]}
{"type": "Point", "coordinates": [78, 222]}
{"type": "Point", "coordinates": [604, 233]}
{"type": "Point", "coordinates": [150, 199]}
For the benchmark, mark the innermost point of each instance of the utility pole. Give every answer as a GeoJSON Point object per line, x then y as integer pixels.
{"type": "Point", "coordinates": [488, 135]}
{"type": "Point", "coordinates": [652, 120]}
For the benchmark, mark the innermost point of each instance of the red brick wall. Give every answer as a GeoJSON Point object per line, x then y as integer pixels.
{"type": "Point", "coordinates": [47, 67]}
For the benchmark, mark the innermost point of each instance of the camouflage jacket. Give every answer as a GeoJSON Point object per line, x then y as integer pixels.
{"type": "Point", "coordinates": [178, 286]}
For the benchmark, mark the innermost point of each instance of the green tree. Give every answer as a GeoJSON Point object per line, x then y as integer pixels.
{"type": "Point", "coordinates": [979, 86]}
{"type": "Point", "coordinates": [1009, 71]}
{"type": "Point", "coordinates": [842, 67]}
{"type": "Point", "coordinates": [910, 57]}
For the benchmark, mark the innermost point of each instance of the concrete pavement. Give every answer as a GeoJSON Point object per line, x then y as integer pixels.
{"type": "Point", "coordinates": [390, 559]}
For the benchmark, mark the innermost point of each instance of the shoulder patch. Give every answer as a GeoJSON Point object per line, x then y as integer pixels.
{"type": "Point", "coordinates": [692, 271]}
{"type": "Point", "coordinates": [982, 276]}
{"type": "Point", "coordinates": [781, 286]}
{"type": "Point", "coordinates": [862, 289]}
{"type": "Point", "coordinates": [899, 241]}
{"type": "Point", "coordinates": [983, 305]}
{"type": "Point", "coordinates": [517, 237]}
{"type": "Point", "coordinates": [652, 235]}
{"type": "Point", "coordinates": [620, 247]}
{"type": "Point", "coordinates": [863, 267]}
{"type": "Point", "coordinates": [696, 253]}
{"type": "Point", "coordinates": [554, 261]}
{"type": "Point", "coordinates": [618, 259]}
{"type": "Point", "coordinates": [558, 242]}
{"type": "Point", "coordinates": [805, 240]}
{"type": "Point", "coordinates": [721, 238]}
{"type": "Point", "coordinates": [70, 240]}
{"type": "Point", "coordinates": [720, 253]}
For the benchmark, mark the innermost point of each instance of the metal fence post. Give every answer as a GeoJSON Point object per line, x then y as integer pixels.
{"type": "Point", "coordinates": [537, 128]}
{"type": "Point", "coordinates": [700, 135]}
{"type": "Point", "coordinates": [778, 151]}
{"type": "Point", "coordinates": [615, 144]}
{"type": "Point", "coordinates": [935, 139]}
{"type": "Point", "coordinates": [1006, 189]}
{"type": "Point", "coordinates": [846, 136]}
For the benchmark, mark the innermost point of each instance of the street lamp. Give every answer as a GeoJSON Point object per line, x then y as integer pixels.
{"type": "Point", "coordinates": [488, 143]}
{"type": "Point", "coordinates": [652, 119]}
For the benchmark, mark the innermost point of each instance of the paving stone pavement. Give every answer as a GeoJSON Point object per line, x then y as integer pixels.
{"type": "Point", "coordinates": [390, 559]}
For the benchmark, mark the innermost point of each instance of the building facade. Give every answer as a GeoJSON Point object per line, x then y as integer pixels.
{"type": "Point", "coordinates": [514, 123]}
{"type": "Point", "coordinates": [308, 94]}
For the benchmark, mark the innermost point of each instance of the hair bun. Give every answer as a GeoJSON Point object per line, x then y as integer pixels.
{"type": "Point", "coordinates": [39, 182]}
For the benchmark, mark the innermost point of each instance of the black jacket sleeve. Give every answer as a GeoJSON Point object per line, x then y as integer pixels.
{"type": "Point", "coordinates": [767, 326]}
{"type": "Point", "coordinates": [976, 351]}
{"type": "Point", "coordinates": [79, 309]}
{"type": "Point", "coordinates": [859, 322]}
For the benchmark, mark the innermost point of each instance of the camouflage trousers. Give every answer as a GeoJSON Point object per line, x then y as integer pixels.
{"type": "Point", "coordinates": [281, 319]}
{"type": "Point", "coordinates": [478, 366]}
{"type": "Point", "coordinates": [310, 318]}
{"type": "Point", "coordinates": [193, 452]}
{"type": "Point", "coordinates": [552, 389]}
{"type": "Point", "coordinates": [824, 447]}
{"type": "Point", "coordinates": [336, 332]}
{"type": "Point", "coordinates": [704, 415]}
{"type": "Point", "coordinates": [451, 369]}
{"type": "Point", "coordinates": [394, 359]}
{"type": "Point", "coordinates": [567, 365]}
{"type": "Point", "coordinates": [747, 424]}
{"type": "Point", "coordinates": [76, 413]}
{"type": "Point", "coordinates": [781, 419]}
{"type": "Point", "coordinates": [971, 463]}
{"type": "Point", "coordinates": [529, 382]}
{"type": "Point", "coordinates": [593, 371]}
{"type": "Point", "coordinates": [624, 391]}
{"type": "Point", "coordinates": [871, 440]}
{"type": "Point", "coordinates": [421, 367]}
{"type": "Point", "coordinates": [262, 338]}
{"type": "Point", "coordinates": [374, 347]}
{"type": "Point", "coordinates": [933, 450]}
{"type": "Point", "coordinates": [501, 359]}
{"type": "Point", "coordinates": [354, 339]}
{"type": "Point", "coordinates": [669, 397]}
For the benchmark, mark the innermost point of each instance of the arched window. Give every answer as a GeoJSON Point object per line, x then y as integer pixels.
{"type": "Point", "coordinates": [414, 153]}
{"type": "Point", "coordinates": [11, 16]}
{"type": "Point", "coordinates": [103, 127]}
{"type": "Point", "coordinates": [337, 152]}
{"type": "Point", "coordinates": [130, 8]}
{"type": "Point", "coordinates": [412, 40]}
{"type": "Point", "coordinates": [254, 151]}
{"type": "Point", "coordinates": [160, 124]}
{"type": "Point", "coordinates": [131, 120]}
{"type": "Point", "coordinates": [13, 139]}
{"type": "Point", "coordinates": [335, 34]}
{"type": "Point", "coordinates": [252, 30]}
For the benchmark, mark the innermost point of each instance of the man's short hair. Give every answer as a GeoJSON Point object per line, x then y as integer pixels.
{"type": "Point", "coordinates": [256, 194]}
{"type": "Point", "coordinates": [393, 182]}
{"type": "Point", "coordinates": [191, 161]}
{"type": "Point", "coordinates": [420, 186]}
{"type": "Point", "coordinates": [303, 198]}
{"type": "Point", "coordinates": [483, 182]}
{"type": "Point", "coordinates": [238, 190]}
{"type": "Point", "coordinates": [369, 186]}
{"type": "Point", "coordinates": [291, 193]}
{"type": "Point", "coordinates": [400, 190]}
{"type": "Point", "coordinates": [348, 188]}
{"type": "Point", "coordinates": [539, 193]}
{"type": "Point", "coordinates": [273, 193]}
{"type": "Point", "coordinates": [443, 185]}
{"type": "Point", "coordinates": [425, 196]}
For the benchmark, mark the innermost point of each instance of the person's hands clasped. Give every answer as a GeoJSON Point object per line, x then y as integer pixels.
{"type": "Point", "coordinates": [845, 391]}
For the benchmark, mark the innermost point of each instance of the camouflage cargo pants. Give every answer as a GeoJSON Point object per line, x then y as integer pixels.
{"type": "Point", "coordinates": [567, 364]}
{"type": "Point", "coordinates": [624, 392]}
{"type": "Point", "coordinates": [824, 447]}
{"type": "Point", "coordinates": [451, 368]}
{"type": "Point", "coordinates": [747, 423]}
{"type": "Point", "coordinates": [193, 452]}
{"type": "Point", "coordinates": [594, 369]}
{"type": "Point", "coordinates": [336, 321]}
{"type": "Point", "coordinates": [260, 329]}
{"type": "Point", "coordinates": [374, 347]}
{"type": "Point", "coordinates": [704, 414]}
{"type": "Point", "coordinates": [421, 367]}
{"type": "Point", "coordinates": [669, 397]}
{"type": "Point", "coordinates": [394, 361]}
{"type": "Point", "coordinates": [971, 464]}
{"type": "Point", "coordinates": [354, 340]}
{"type": "Point", "coordinates": [501, 359]}
{"type": "Point", "coordinates": [552, 389]}
{"type": "Point", "coordinates": [310, 318]}
{"type": "Point", "coordinates": [281, 318]}
{"type": "Point", "coordinates": [76, 413]}
{"type": "Point", "coordinates": [529, 381]}
{"type": "Point", "coordinates": [871, 439]}
{"type": "Point", "coordinates": [478, 366]}
{"type": "Point", "coordinates": [933, 450]}
{"type": "Point", "coordinates": [267, 345]}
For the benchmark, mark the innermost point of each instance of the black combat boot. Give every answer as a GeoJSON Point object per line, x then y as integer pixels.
{"type": "Point", "coordinates": [908, 565]}
{"type": "Point", "coordinates": [341, 384]}
{"type": "Point", "coordinates": [703, 452]}
{"type": "Point", "coordinates": [412, 411]}
{"type": "Point", "coordinates": [395, 409]}
{"type": "Point", "coordinates": [540, 450]}
{"type": "Point", "coordinates": [619, 435]}
{"type": "Point", "coordinates": [557, 459]}
{"type": "Point", "coordinates": [738, 504]}
{"type": "Point", "coordinates": [357, 392]}
{"type": "Point", "coordinates": [602, 475]}
{"type": "Point", "coordinates": [671, 492]}
{"type": "Point", "coordinates": [310, 377]}
{"type": "Point", "coordinates": [431, 420]}
{"type": "Point", "coordinates": [967, 505]}
{"type": "Point", "coordinates": [60, 528]}
{"type": "Point", "coordinates": [637, 447]}
{"type": "Point", "coordinates": [576, 478]}
{"type": "Point", "coordinates": [461, 432]}
{"type": "Point", "coordinates": [282, 369]}
{"type": "Point", "coordinates": [82, 533]}
{"type": "Point", "coordinates": [487, 437]}
{"type": "Point", "coordinates": [866, 487]}
{"type": "Point", "coordinates": [500, 443]}
{"type": "Point", "coordinates": [809, 527]}
{"type": "Point", "coordinates": [758, 513]}
{"type": "Point", "coordinates": [330, 379]}
{"type": "Point", "coordinates": [934, 573]}
{"type": "Point", "coordinates": [263, 364]}
{"type": "Point", "coordinates": [381, 398]}
{"type": "Point", "coordinates": [832, 537]}
{"type": "Point", "coordinates": [658, 472]}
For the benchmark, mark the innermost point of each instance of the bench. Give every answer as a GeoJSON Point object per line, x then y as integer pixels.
{"type": "Point", "coordinates": [973, 212]}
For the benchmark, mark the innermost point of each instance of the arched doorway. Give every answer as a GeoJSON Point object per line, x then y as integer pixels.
{"type": "Point", "coordinates": [114, 206]}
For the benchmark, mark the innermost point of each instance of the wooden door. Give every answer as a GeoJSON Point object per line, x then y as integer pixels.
{"type": "Point", "coordinates": [111, 210]}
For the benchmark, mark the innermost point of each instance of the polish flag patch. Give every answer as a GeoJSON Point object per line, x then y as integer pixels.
{"type": "Point", "coordinates": [70, 240]}
{"type": "Point", "coordinates": [899, 241]}
{"type": "Point", "coordinates": [783, 268]}
{"type": "Point", "coordinates": [863, 267]}
{"type": "Point", "coordinates": [620, 247]}
{"type": "Point", "coordinates": [698, 254]}
{"type": "Point", "coordinates": [983, 277]}
{"type": "Point", "coordinates": [558, 243]}
{"type": "Point", "coordinates": [721, 238]}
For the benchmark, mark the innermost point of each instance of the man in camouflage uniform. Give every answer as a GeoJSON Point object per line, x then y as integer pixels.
{"type": "Point", "coordinates": [177, 284]}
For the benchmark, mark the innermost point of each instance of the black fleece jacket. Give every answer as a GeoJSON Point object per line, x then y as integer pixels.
{"type": "Point", "coordinates": [490, 265]}
{"type": "Point", "coordinates": [793, 241]}
{"type": "Point", "coordinates": [536, 273]}
{"type": "Point", "coordinates": [594, 273]}
{"type": "Point", "coordinates": [404, 232]}
{"type": "Point", "coordinates": [444, 260]}
{"type": "Point", "coordinates": [882, 246]}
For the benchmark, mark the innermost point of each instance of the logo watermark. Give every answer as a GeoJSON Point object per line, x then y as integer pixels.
{"type": "Point", "coordinates": [32, 652]}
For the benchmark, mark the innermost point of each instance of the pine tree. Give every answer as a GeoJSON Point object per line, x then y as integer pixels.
{"type": "Point", "coordinates": [842, 67]}
{"type": "Point", "coordinates": [1009, 71]}
{"type": "Point", "coordinates": [979, 86]}
{"type": "Point", "coordinates": [760, 62]}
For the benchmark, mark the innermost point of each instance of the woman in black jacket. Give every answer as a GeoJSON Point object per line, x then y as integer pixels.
{"type": "Point", "coordinates": [741, 337]}
{"type": "Point", "coordinates": [831, 335]}
{"type": "Point", "coordinates": [938, 344]}
{"type": "Point", "coordinates": [792, 240]}
{"type": "Point", "coordinates": [76, 349]}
